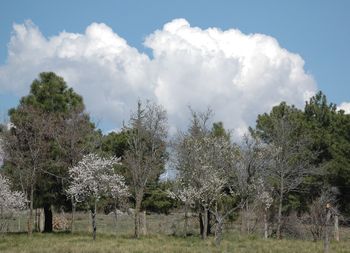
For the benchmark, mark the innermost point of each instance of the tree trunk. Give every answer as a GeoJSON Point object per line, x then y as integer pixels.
{"type": "Point", "coordinates": [326, 232]}
{"type": "Point", "coordinates": [336, 227]}
{"type": "Point", "coordinates": [137, 214]}
{"type": "Point", "coordinates": [144, 223]}
{"type": "Point", "coordinates": [115, 218]}
{"type": "Point", "coordinates": [218, 231]}
{"type": "Point", "coordinates": [186, 221]}
{"type": "Point", "coordinates": [31, 207]}
{"type": "Point", "coordinates": [73, 216]}
{"type": "Point", "coordinates": [19, 224]}
{"type": "Point", "coordinates": [201, 227]}
{"type": "Point", "coordinates": [247, 217]}
{"type": "Point", "coordinates": [47, 219]}
{"type": "Point", "coordinates": [205, 224]}
{"type": "Point", "coordinates": [93, 216]}
{"type": "Point", "coordinates": [36, 221]}
{"type": "Point", "coordinates": [243, 223]}
{"type": "Point", "coordinates": [2, 220]}
{"type": "Point", "coordinates": [266, 228]}
{"type": "Point", "coordinates": [208, 224]}
{"type": "Point", "coordinates": [279, 217]}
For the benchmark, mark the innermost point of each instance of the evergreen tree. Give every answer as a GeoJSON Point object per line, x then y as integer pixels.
{"type": "Point", "coordinates": [69, 133]}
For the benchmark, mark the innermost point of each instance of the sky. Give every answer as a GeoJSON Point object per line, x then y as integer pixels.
{"type": "Point", "coordinates": [238, 57]}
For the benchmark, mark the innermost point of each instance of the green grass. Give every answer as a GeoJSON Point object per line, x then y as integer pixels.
{"type": "Point", "coordinates": [82, 242]}
{"type": "Point", "coordinates": [161, 239]}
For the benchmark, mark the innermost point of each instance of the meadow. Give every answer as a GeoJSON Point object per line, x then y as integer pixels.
{"type": "Point", "coordinates": [164, 235]}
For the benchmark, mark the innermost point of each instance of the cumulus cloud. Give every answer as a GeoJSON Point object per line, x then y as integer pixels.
{"type": "Point", "coordinates": [237, 75]}
{"type": "Point", "coordinates": [345, 106]}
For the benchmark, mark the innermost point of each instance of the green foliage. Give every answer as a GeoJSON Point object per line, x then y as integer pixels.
{"type": "Point", "coordinates": [328, 133]}
{"type": "Point", "coordinates": [218, 130]}
{"type": "Point", "coordinates": [51, 94]}
{"type": "Point", "coordinates": [266, 124]}
{"type": "Point", "coordinates": [69, 132]}
{"type": "Point", "coordinates": [157, 200]}
{"type": "Point", "coordinates": [115, 143]}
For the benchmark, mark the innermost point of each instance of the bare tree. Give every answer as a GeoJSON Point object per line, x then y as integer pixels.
{"type": "Point", "coordinates": [146, 152]}
{"type": "Point", "coordinates": [315, 219]}
{"type": "Point", "coordinates": [25, 147]}
{"type": "Point", "coordinates": [291, 162]}
{"type": "Point", "coordinates": [251, 161]}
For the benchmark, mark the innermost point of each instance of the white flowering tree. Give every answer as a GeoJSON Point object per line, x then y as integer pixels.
{"type": "Point", "coordinates": [93, 178]}
{"type": "Point", "coordinates": [264, 200]}
{"type": "Point", "coordinates": [251, 163]}
{"type": "Point", "coordinates": [118, 191]}
{"type": "Point", "coordinates": [187, 195]}
{"type": "Point", "coordinates": [205, 160]}
{"type": "Point", "coordinates": [10, 202]}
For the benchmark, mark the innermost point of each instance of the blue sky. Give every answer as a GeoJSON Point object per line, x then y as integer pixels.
{"type": "Point", "coordinates": [316, 30]}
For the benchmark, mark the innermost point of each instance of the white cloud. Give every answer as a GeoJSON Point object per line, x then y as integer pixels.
{"type": "Point", "coordinates": [345, 106]}
{"type": "Point", "coordinates": [237, 75]}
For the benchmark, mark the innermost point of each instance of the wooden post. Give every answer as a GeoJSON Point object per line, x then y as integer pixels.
{"type": "Point", "coordinates": [336, 227]}
{"type": "Point", "coordinates": [266, 228]}
{"type": "Point", "coordinates": [19, 223]}
{"type": "Point", "coordinates": [72, 227]}
{"type": "Point", "coordinates": [326, 231]}
{"type": "Point", "coordinates": [42, 220]}
{"type": "Point", "coordinates": [144, 223]}
{"type": "Point", "coordinates": [186, 221]}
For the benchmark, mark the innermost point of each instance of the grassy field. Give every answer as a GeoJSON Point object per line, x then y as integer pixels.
{"type": "Point", "coordinates": [162, 238]}
{"type": "Point", "coordinates": [81, 242]}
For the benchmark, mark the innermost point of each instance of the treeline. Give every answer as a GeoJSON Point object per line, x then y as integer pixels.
{"type": "Point", "coordinates": [292, 166]}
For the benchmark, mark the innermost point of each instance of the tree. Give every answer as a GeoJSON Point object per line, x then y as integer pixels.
{"type": "Point", "coordinates": [156, 198]}
{"type": "Point", "coordinates": [184, 159]}
{"type": "Point", "coordinates": [68, 139]}
{"type": "Point", "coordinates": [329, 131]}
{"type": "Point", "coordinates": [291, 158]}
{"type": "Point", "coordinates": [207, 172]}
{"type": "Point", "coordinates": [74, 137]}
{"type": "Point", "coordinates": [94, 177]}
{"type": "Point", "coordinates": [146, 152]}
{"type": "Point", "coordinates": [252, 160]}
{"type": "Point", "coordinates": [119, 192]}
{"type": "Point", "coordinates": [185, 194]}
{"type": "Point", "coordinates": [26, 150]}
{"type": "Point", "coordinates": [10, 201]}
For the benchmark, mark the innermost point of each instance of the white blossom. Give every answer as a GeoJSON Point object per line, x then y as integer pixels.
{"type": "Point", "coordinates": [94, 177]}
{"type": "Point", "coordinates": [263, 194]}
{"type": "Point", "coordinates": [10, 201]}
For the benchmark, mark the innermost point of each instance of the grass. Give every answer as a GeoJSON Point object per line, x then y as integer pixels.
{"type": "Point", "coordinates": [81, 242]}
{"type": "Point", "coordinates": [161, 239]}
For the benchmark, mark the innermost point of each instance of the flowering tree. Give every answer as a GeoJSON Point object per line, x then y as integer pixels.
{"type": "Point", "coordinates": [10, 201]}
{"type": "Point", "coordinates": [93, 178]}
{"type": "Point", "coordinates": [251, 163]}
{"type": "Point", "coordinates": [119, 192]}
{"type": "Point", "coordinates": [264, 199]}
{"type": "Point", "coordinates": [187, 195]}
{"type": "Point", "coordinates": [205, 161]}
